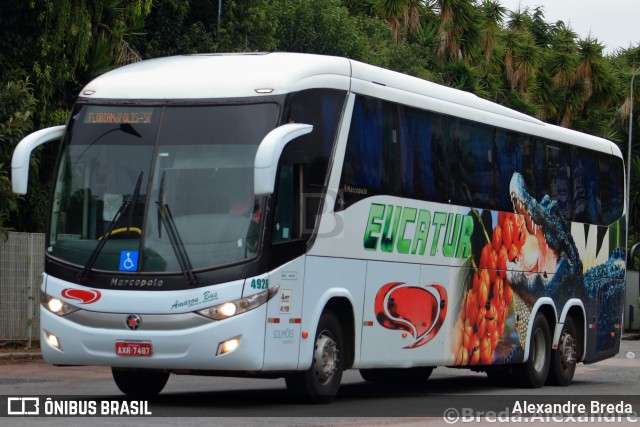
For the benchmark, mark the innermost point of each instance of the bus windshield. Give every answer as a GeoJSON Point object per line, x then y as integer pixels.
{"type": "Point", "coordinates": [159, 189]}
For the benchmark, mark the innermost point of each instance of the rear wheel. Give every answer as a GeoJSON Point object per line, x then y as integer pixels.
{"type": "Point", "coordinates": [140, 382]}
{"type": "Point", "coordinates": [397, 375]}
{"type": "Point", "coordinates": [564, 359]}
{"type": "Point", "coordinates": [533, 373]}
{"type": "Point", "coordinates": [320, 383]}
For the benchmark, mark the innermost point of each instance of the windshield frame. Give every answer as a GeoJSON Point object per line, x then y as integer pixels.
{"type": "Point", "coordinates": [206, 274]}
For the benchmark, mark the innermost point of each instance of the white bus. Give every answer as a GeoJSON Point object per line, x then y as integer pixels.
{"type": "Point", "coordinates": [291, 215]}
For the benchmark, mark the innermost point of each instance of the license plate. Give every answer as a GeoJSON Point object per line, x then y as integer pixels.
{"type": "Point", "coordinates": [133, 349]}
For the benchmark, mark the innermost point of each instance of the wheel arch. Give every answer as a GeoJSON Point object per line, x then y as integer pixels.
{"type": "Point", "coordinates": [340, 302]}
{"type": "Point", "coordinates": [343, 309]}
{"type": "Point", "coordinates": [546, 307]}
{"type": "Point", "coordinates": [574, 308]}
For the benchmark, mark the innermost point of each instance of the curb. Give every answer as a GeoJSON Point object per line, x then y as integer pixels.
{"type": "Point", "coordinates": [20, 356]}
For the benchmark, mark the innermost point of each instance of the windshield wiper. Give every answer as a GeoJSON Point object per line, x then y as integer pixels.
{"type": "Point", "coordinates": [164, 214]}
{"type": "Point", "coordinates": [126, 205]}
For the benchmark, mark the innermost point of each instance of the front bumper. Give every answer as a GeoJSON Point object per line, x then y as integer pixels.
{"type": "Point", "coordinates": [179, 341]}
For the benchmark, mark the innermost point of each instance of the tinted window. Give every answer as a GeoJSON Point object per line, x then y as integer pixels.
{"type": "Point", "coordinates": [556, 176]}
{"type": "Point", "coordinates": [514, 153]}
{"type": "Point", "coordinates": [423, 155]}
{"type": "Point", "coordinates": [394, 149]}
{"type": "Point", "coordinates": [473, 167]}
{"type": "Point", "coordinates": [403, 151]}
{"type": "Point", "coordinates": [586, 189]}
{"type": "Point", "coordinates": [363, 158]}
{"type": "Point", "coordinates": [611, 188]}
{"type": "Point", "coordinates": [321, 108]}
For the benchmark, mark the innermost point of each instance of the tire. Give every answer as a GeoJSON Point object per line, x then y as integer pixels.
{"type": "Point", "coordinates": [533, 373]}
{"type": "Point", "coordinates": [406, 376]}
{"type": "Point", "coordinates": [565, 358]}
{"type": "Point", "coordinates": [142, 383]}
{"type": "Point", "coordinates": [320, 383]}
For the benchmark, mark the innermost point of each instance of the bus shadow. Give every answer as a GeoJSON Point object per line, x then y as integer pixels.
{"type": "Point", "coordinates": [356, 399]}
{"type": "Point", "coordinates": [430, 398]}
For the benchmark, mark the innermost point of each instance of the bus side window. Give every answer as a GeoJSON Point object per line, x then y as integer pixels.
{"type": "Point", "coordinates": [285, 228]}
{"type": "Point", "coordinates": [556, 181]}
{"type": "Point", "coordinates": [473, 163]}
{"type": "Point", "coordinates": [391, 156]}
{"type": "Point", "coordinates": [362, 169]}
{"type": "Point", "coordinates": [528, 170]}
{"type": "Point", "coordinates": [423, 158]}
{"type": "Point", "coordinates": [509, 160]}
{"type": "Point", "coordinates": [611, 189]}
{"type": "Point", "coordinates": [321, 108]}
{"type": "Point", "coordinates": [364, 147]}
{"type": "Point", "coordinates": [586, 189]}
{"type": "Point", "coordinates": [515, 152]}
{"type": "Point", "coordinates": [459, 193]}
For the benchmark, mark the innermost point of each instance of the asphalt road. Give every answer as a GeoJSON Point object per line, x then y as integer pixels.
{"type": "Point", "coordinates": [258, 402]}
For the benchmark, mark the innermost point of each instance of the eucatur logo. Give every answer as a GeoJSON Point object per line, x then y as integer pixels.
{"type": "Point", "coordinates": [419, 310]}
{"type": "Point", "coordinates": [84, 296]}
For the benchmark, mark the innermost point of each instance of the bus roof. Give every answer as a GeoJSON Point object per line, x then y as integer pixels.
{"type": "Point", "coordinates": [212, 76]}
{"type": "Point", "coordinates": [215, 76]}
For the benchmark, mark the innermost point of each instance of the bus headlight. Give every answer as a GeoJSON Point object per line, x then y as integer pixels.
{"type": "Point", "coordinates": [239, 306]}
{"type": "Point", "coordinates": [57, 306]}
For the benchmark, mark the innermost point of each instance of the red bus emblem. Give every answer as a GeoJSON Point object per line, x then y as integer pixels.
{"type": "Point", "coordinates": [418, 310]}
{"type": "Point", "coordinates": [83, 296]}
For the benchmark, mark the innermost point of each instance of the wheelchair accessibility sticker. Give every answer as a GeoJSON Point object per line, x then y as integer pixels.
{"type": "Point", "coordinates": [128, 261]}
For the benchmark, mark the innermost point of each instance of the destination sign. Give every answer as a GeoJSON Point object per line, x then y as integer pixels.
{"type": "Point", "coordinates": [118, 115]}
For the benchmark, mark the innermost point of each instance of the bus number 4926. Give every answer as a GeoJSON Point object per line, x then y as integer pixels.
{"type": "Point", "coordinates": [259, 283]}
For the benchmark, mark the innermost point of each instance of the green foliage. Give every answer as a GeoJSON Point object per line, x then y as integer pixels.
{"type": "Point", "coordinates": [7, 201]}
{"type": "Point", "coordinates": [16, 112]}
{"type": "Point", "coordinates": [80, 39]}
{"type": "Point", "coordinates": [18, 44]}
{"type": "Point", "coordinates": [321, 26]}
{"type": "Point", "coordinates": [249, 26]}
{"type": "Point", "coordinates": [60, 45]}
{"type": "Point", "coordinates": [175, 28]}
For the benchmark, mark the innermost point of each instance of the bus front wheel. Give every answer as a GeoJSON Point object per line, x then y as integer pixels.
{"type": "Point", "coordinates": [139, 382]}
{"type": "Point", "coordinates": [564, 359]}
{"type": "Point", "coordinates": [320, 383]}
{"type": "Point", "coordinates": [533, 373]}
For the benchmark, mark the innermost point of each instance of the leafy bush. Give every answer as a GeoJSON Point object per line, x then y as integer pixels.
{"type": "Point", "coordinates": [16, 109]}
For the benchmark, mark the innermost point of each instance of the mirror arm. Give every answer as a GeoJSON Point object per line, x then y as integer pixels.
{"type": "Point", "coordinates": [22, 154]}
{"type": "Point", "coordinates": [269, 152]}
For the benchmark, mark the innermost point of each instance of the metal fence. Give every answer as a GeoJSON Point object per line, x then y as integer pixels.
{"type": "Point", "coordinates": [21, 267]}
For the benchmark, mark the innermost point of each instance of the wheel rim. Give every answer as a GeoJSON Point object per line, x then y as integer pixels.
{"type": "Point", "coordinates": [567, 349]}
{"type": "Point", "coordinates": [539, 350]}
{"type": "Point", "coordinates": [325, 358]}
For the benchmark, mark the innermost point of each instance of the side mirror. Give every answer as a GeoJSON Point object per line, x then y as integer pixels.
{"type": "Point", "coordinates": [22, 153]}
{"type": "Point", "coordinates": [269, 152]}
